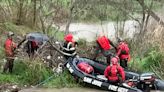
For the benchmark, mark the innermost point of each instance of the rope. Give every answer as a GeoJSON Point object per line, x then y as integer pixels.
{"type": "Point", "coordinates": [43, 82]}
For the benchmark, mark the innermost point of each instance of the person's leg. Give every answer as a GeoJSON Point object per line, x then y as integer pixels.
{"type": "Point", "coordinates": [11, 64]}
{"type": "Point", "coordinates": [126, 63]}
{"type": "Point", "coordinates": [108, 60]}
{"type": "Point", "coordinates": [32, 53]}
{"type": "Point", "coordinates": [6, 66]}
{"type": "Point", "coordinates": [108, 56]}
{"type": "Point", "coordinates": [122, 63]}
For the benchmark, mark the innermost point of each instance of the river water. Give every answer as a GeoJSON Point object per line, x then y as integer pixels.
{"type": "Point", "coordinates": [62, 90]}
{"type": "Point", "coordinates": [89, 31]}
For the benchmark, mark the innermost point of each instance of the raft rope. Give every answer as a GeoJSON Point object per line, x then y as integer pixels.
{"type": "Point", "coordinates": [43, 82]}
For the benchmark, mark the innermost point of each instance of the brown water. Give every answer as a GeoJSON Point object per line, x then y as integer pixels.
{"type": "Point", "coordinates": [90, 31]}
{"type": "Point", "coordinates": [61, 90]}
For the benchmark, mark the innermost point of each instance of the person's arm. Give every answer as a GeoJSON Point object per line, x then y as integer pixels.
{"type": "Point", "coordinates": [118, 51]}
{"type": "Point", "coordinates": [122, 73]}
{"type": "Point", "coordinates": [97, 49]}
{"type": "Point", "coordinates": [107, 71]}
{"type": "Point", "coordinates": [111, 43]}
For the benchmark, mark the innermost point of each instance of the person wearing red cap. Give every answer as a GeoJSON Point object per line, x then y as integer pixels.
{"type": "Point", "coordinates": [123, 53]}
{"type": "Point", "coordinates": [69, 46]}
{"type": "Point", "coordinates": [104, 47]}
{"type": "Point", "coordinates": [113, 71]}
{"type": "Point", "coordinates": [9, 46]}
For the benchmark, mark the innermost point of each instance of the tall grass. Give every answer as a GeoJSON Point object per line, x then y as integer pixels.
{"type": "Point", "coordinates": [26, 73]}
{"type": "Point", "coordinates": [152, 61]}
{"type": "Point", "coordinates": [63, 80]}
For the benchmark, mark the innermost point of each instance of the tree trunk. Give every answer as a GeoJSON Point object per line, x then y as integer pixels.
{"type": "Point", "coordinates": [155, 16]}
{"type": "Point", "coordinates": [70, 18]}
{"type": "Point", "coordinates": [41, 19]}
{"type": "Point", "coordinates": [34, 16]}
{"type": "Point", "coordinates": [20, 12]}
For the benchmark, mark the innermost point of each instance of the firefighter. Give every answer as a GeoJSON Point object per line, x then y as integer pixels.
{"type": "Point", "coordinates": [69, 46]}
{"type": "Point", "coordinates": [113, 71]}
{"type": "Point", "coordinates": [123, 53]}
{"type": "Point", "coordinates": [10, 47]}
{"type": "Point", "coordinates": [104, 47]}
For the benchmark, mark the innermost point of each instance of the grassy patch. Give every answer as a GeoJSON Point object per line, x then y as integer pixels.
{"type": "Point", "coordinates": [63, 80]}
{"type": "Point", "coordinates": [26, 73]}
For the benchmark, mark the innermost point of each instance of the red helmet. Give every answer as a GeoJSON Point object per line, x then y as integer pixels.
{"type": "Point", "coordinates": [114, 61]}
{"type": "Point", "coordinates": [69, 38]}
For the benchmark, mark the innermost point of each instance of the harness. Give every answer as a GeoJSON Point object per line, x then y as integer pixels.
{"type": "Point", "coordinates": [124, 48]}
{"type": "Point", "coordinates": [110, 72]}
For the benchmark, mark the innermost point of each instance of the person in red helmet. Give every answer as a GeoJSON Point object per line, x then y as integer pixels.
{"type": "Point", "coordinates": [69, 46]}
{"type": "Point", "coordinates": [104, 47]}
{"type": "Point", "coordinates": [123, 53]}
{"type": "Point", "coordinates": [10, 47]}
{"type": "Point", "coordinates": [113, 71]}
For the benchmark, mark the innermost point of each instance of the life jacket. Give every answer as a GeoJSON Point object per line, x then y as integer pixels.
{"type": "Point", "coordinates": [104, 42]}
{"type": "Point", "coordinates": [9, 47]}
{"type": "Point", "coordinates": [85, 67]}
{"type": "Point", "coordinates": [124, 48]}
{"type": "Point", "coordinates": [123, 51]}
{"type": "Point", "coordinates": [113, 73]}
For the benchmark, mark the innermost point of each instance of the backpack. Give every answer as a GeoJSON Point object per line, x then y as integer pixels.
{"type": "Point", "coordinates": [104, 42]}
